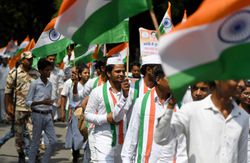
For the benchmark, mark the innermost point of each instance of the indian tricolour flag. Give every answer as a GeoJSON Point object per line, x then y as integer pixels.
{"type": "Point", "coordinates": [166, 23]}
{"type": "Point", "coordinates": [121, 49]}
{"type": "Point", "coordinates": [213, 44]}
{"type": "Point", "coordinates": [84, 20]}
{"type": "Point", "coordinates": [50, 41]}
{"type": "Point", "coordinates": [17, 56]}
{"type": "Point", "coordinates": [23, 45]}
{"type": "Point", "coordinates": [94, 52]}
{"type": "Point", "coordinates": [2, 50]}
{"type": "Point", "coordinates": [11, 48]}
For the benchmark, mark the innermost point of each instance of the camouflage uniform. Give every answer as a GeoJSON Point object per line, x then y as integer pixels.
{"type": "Point", "coordinates": [22, 113]}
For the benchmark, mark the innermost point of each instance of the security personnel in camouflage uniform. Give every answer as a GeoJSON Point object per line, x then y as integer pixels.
{"type": "Point", "coordinates": [22, 114]}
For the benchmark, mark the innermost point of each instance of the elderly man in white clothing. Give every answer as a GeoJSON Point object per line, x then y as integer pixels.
{"type": "Point", "coordinates": [216, 128]}
{"type": "Point", "coordinates": [106, 108]}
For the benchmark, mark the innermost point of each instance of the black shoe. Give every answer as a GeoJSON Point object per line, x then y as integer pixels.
{"type": "Point", "coordinates": [76, 155]}
{"type": "Point", "coordinates": [21, 157]}
{"type": "Point", "coordinates": [75, 160]}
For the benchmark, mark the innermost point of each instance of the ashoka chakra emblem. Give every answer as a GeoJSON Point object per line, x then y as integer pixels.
{"type": "Point", "coordinates": [54, 35]}
{"type": "Point", "coordinates": [236, 28]}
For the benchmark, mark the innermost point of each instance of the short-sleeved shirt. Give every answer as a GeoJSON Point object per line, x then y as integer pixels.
{"type": "Point", "coordinates": [23, 83]}
{"type": "Point", "coordinates": [68, 92]}
{"type": "Point", "coordinates": [39, 91]}
{"type": "Point", "coordinates": [56, 78]}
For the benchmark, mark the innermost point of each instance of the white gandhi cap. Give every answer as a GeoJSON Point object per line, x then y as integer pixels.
{"type": "Point", "coordinates": [151, 59]}
{"type": "Point", "coordinates": [115, 60]}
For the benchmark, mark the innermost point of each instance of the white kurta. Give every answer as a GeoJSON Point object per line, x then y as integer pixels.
{"type": "Point", "coordinates": [210, 137]}
{"type": "Point", "coordinates": [56, 78]}
{"type": "Point", "coordinates": [158, 153]}
{"type": "Point", "coordinates": [96, 113]}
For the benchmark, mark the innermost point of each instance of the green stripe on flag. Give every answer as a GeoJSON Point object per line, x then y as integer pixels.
{"type": "Point", "coordinates": [61, 55]}
{"type": "Point", "coordinates": [18, 51]}
{"type": "Point", "coordinates": [87, 56]}
{"type": "Point", "coordinates": [35, 62]}
{"type": "Point", "coordinates": [80, 50]}
{"type": "Point", "coordinates": [119, 33]}
{"type": "Point", "coordinates": [108, 17]}
{"type": "Point", "coordinates": [52, 48]}
{"type": "Point", "coordinates": [141, 129]}
{"type": "Point", "coordinates": [161, 29]}
{"type": "Point", "coordinates": [233, 63]}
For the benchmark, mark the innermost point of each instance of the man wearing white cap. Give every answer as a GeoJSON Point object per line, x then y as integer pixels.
{"type": "Point", "coordinates": [107, 108]}
{"type": "Point", "coordinates": [146, 83]}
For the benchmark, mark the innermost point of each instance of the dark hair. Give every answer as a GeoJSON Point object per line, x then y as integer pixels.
{"type": "Point", "coordinates": [81, 67]}
{"type": "Point", "coordinates": [211, 84]}
{"type": "Point", "coordinates": [144, 67]}
{"type": "Point", "coordinates": [43, 63]}
{"type": "Point", "coordinates": [157, 72]}
{"type": "Point", "coordinates": [72, 46]}
{"type": "Point", "coordinates": [135, 64]}
{"type": "Point", "coordinates": [108, 69]}
{"type": "Point", "coordinates": [100, 63]}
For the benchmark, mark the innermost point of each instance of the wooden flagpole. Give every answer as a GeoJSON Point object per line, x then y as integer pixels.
{"type": "Point", "coordinates": [127, 64]}
{"type": "Point", "coordinates": [156, 25]}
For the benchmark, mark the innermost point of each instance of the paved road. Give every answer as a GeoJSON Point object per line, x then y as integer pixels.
{"type": "Point", "coordinates": [8, 152]}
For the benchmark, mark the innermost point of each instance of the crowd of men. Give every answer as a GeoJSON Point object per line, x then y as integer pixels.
{"type": "Point", "coordinates": [115, 117]}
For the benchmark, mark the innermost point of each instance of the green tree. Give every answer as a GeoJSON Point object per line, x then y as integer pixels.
{"type": "Point", "coordinates": [27, 17]}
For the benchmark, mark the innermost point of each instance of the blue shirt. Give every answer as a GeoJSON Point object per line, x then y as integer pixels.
{"type": "Point", "coordinates": [38, 91]}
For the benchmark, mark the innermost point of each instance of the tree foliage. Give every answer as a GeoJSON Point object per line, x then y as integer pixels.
{"type": "Point", "coordinates": [27, 17]}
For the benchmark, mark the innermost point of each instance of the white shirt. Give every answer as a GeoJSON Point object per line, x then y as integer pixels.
{"type": "Point", "coordinates": [68, 92]}
{"type": "Point", "coordinates": [67, 60]}
{"type": "Point", "coordinates": [96, 113]}
{"type": "Point", "coordinates": [4, 71]}
{"type": "Point", "coordinates": [158, 154]}
{"type": "Point", "coordinates": [96, 105]}
{"type": "Point", "coordinates": [56, 78]}
{"type": "Point", "coordinates": [210, 137]}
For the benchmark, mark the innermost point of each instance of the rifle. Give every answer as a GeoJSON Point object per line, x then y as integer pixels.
{"type": "Point", "coordinates": [15, 99]}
